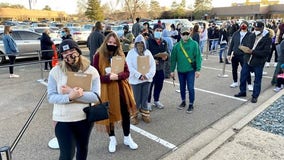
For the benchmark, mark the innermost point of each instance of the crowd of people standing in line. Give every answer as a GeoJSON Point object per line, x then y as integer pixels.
{"type": "Point", "coordinates": [168, 49]}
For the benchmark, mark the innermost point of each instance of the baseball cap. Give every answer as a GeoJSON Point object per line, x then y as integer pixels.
{"type": "Point", "coordinates": [184, 29]}
{"type": "Point", "coordinates": [258, 24]}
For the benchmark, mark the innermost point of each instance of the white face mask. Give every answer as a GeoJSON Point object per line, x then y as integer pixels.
{"type": "Point", "coordinates": [257, 33]}
{"type": "Point", "coordinates": [185, 37]}
{"type": "Point", "coordinates": [157, 35]}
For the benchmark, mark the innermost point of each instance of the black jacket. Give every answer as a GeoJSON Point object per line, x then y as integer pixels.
{"type": "Point", "coordinates": [235, 43]}
{"type": "Point", "coordinates": [156, 48]}
{"type": "Point", "coordinates": [46, 46]}
{"type": "Point", "coordinates": [261, 51]}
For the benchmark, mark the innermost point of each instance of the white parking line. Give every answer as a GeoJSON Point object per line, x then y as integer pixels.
{"type": "Point", "coordinates": [153, 137]}
{"type": "Point", "coordinates": [215, 93]}
{"type": "Point", "coordinates": [141, 131]}
{"type": "Point", "coordinates": [216, 69]}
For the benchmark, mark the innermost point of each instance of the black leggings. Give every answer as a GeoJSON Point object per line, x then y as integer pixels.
{"type": "Point", "coordinates": [12, 60]}
{"type": "Point", "coordinates": [125, 120]}
{"type": "Point", "coordinates": [71, 135]}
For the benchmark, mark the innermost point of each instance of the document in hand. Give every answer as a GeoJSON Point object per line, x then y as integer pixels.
{"type": "Point", "coordinates": [77, 79]}
{"type": "Point", "coordinates": [117, 64]}
{"type": "Point", "coordinates": [143, 64]}
{"type": "Point", "coordinates": [161, 55]}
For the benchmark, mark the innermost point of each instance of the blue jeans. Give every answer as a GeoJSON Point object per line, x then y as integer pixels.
{"type": "Point", "coordinates": [222, 50]}
{"type": "Point", "coordinates": [188, 79]}
{"type": "Point", "coordinates": [214, 44]}
{"type": "Point", "coordinates": [245, 73]}
{"type": "Point", "coordinates": [201, 46]}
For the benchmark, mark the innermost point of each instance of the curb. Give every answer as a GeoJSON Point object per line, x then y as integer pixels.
{"type": "Point", "coordinates": [206, 142]}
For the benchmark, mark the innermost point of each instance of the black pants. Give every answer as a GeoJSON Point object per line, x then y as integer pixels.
{"type": "Point", "coordinates": [273, 48]}
{"type": "Point", "coordinates": [280, 81]}
{"type": "Point", "coordinates": [236, 61]}
{"type": "Point", "coordinates": [125, 119]}
{"type": "Point", "coordinates": [73, 135]}
{"type": "Point", "coordinates": [12, 60]}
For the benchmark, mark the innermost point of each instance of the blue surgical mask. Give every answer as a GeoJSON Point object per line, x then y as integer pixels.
{"type": "Point", "coordinates": [63, 34]}
{"type": "Point", "coordinates": [157, 35]}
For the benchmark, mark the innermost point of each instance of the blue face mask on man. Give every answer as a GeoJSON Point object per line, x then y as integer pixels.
{"type": "Point", "coordinates": [63, 34]}
{"type": "Point", "coordinates": [157, 35]}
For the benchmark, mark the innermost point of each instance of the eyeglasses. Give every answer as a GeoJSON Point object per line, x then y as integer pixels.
{"type": "Point", "coordinates": [68, 52]}
{"type": "Point", "coordinates": [185, 34]}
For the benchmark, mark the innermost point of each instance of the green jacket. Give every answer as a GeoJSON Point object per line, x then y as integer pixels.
{"type": "Point", "coordinates": [127, 42]}
{"type": "Point", "coordinates": [179, 60]}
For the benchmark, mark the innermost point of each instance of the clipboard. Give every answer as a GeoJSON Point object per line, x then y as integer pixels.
{"type": "Point", "coordinates": [117, 64]}
{"type": "Point", "coordinates": [143, 65]}
{"type": "Point", "coordinates": [77, 79]}
{"type": "Point", "coordinates": [161, 55]}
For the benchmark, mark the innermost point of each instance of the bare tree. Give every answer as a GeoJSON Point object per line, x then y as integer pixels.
{"type": "Point", "coordinates": [132, 7]}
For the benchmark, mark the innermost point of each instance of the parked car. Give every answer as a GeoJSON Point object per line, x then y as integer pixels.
{"type": "Point", "coordinates": [79, 35]}
{"type": "Point", "coordinates": [28, 43]}
{"type": "Point", "coordinates": [118, 30]}
{"type": "Point", "coordinates": [53, 34]}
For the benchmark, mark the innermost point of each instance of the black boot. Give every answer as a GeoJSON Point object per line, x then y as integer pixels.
{"type": "Point", "coordinates": [221, 60]}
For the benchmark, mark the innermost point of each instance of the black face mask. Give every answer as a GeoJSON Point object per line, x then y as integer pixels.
{"type": "Point", "coordinates": [112, 48]}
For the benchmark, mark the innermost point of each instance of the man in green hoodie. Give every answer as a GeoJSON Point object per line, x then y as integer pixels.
{"type": "Point", "coordinates": [187, 59]}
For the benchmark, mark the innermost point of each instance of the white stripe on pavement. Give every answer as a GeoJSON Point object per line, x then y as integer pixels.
{"type": "Point", "coordinates": [264, 75]}
{"type": "Point", "coordinates": [153, 137]}
{"type": "Point", "coordinates": [215, 93]}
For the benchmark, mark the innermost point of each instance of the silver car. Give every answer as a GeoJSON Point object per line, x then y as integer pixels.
{"type": "Point", "coordinates": [28, 43]}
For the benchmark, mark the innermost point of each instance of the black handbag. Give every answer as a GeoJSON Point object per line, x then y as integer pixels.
{"type": "Point", "coordinates": [97, 112]}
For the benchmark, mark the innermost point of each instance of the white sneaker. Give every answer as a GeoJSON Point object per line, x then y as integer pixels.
{"type": "Point", "coordinates": [112, 144]}
{"type": "Point", "coordinates": [277, 89]}
{"type": "Point", "coordinates": [250, 87]}
{"type": "Point", "coordinates": [267, 64]}
{"type": "Point", "coordinates": [129, 142]}
{"type": "Point", "coordinates": [234, 85]}
{"type": "Point", "coordinates": [275, 64]}
{"type": "Point", "coordinates": [14, 76]}
{"type": "Point", "coordinates": [149, 105]}
{"type": "Point", "coordinates": [159, 105]}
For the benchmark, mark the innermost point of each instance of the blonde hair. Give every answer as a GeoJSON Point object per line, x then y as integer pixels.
{"type": "Point", "coordinates": [7, 29]}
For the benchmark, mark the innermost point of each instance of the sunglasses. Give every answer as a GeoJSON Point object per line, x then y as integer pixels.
{"type": "Point", "coordinates": [185, 34]}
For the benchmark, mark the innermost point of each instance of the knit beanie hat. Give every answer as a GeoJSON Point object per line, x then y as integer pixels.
{"type": "Point", "coordinates": [68, 44]}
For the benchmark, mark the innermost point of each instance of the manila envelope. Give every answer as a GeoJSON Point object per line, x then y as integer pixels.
{"type": "Point", "coordinates": [143, 64]}
{"type": "Point", "coordinates": [77, 79]}
{"type": "Point", "coordinates": [117, 64]}
{"type": "Point", "coordinates": [161, 55]}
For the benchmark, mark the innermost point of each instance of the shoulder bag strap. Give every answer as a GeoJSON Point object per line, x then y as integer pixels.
{"type": "Point", "coordinates": [185, 53]}
{"type": "Point", "coordinates": [98, 98]}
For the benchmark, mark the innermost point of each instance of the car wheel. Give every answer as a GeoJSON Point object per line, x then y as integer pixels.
{"type": "Point", "coordinates": [2, 58]}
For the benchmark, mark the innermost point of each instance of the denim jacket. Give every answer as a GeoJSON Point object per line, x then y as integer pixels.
{"type": "Point", "coordinates": [10, 45]}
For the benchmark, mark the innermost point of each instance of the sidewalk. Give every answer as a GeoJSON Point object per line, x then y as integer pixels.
{"type": "Point", "coordinates": [231, 139]}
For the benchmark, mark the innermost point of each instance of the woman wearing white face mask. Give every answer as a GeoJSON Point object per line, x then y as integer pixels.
{"type": "Point", "coordinates": [157, 45]}
{"type": "Point", "coordinates": [186, 57]}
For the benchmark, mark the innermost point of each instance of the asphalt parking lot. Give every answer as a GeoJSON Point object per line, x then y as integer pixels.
{"type": "Point", "coordinates": [169, 130]}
